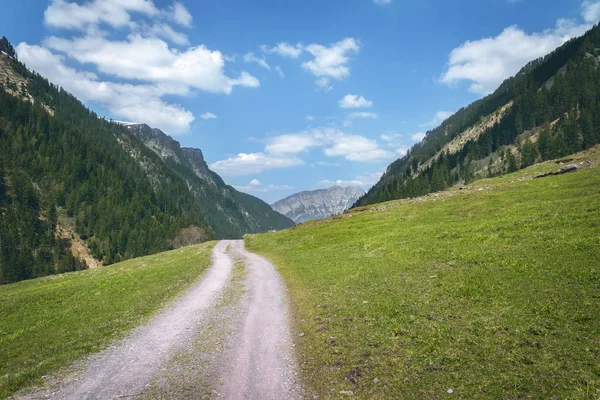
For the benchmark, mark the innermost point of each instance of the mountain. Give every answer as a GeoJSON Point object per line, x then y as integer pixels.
{"type": "Point", "coordinates": [317, 204]}
{"type": "Point", "coordinates": [550, 109]}
{"type": "Point", "coordinates": [76, 189]}
{"type": "Point", "coordinates": [228, 212]}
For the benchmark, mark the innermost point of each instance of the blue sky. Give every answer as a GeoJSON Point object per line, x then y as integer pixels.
{"type": "Point", "coordinates": [282, 95]}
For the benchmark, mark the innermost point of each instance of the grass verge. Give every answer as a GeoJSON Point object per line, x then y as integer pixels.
{"type": "Point", "coordinates": [488, 292]}
{"type": "Point", "coordinates": [47, 323]}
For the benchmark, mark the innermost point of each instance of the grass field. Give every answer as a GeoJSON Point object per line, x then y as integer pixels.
{"type": "Point", "coordinates": [488, 292]}
{"type": "Point", "coordinates": [47, 323]}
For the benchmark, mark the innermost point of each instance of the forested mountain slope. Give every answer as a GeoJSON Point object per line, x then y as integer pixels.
{"type": "Point", "coordinates": [229, 212]}
{"type": "Point", "coordinates": [59, 159]}
{"type": "Point", "coordinates": [550, 109]}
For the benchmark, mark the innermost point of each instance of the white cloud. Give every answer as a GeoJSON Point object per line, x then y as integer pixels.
{"type": "Point", "coordinates": [142, 56]}
{"type": "Point", "coordinates": [115, 13]}
{"type": "Point", "coordinates": [354, 101]}
{"type": "Point", "coordinates": [363, 114]}
{"type": "Point", "coordinates": [331, 62]}
{"type": "Point", "coordinates": [382, 1]}
{"type": "Point", "coordinates": [438, 118]}
{"type": "Point", "coordinates": [257, 187]}
{"type": "Point", "coordinates": [251, 58]}
{"type": "Point", "coordinates": [181, 15]}
{"type": "Point", "coordinates": [417, 137]}
{"type": "Point", "coordinates": [334, 143]}
{"type": "Point", "coordinates": [391, 137]}
{"type": "Point", "coordinates": [166, 32]}
{"type": "Point", "coordinates": [487, 62]}
{"type": "Point", "coordinates": [130, 102]}
{"type": "Point", "coordinates": [365, 181]}
{"type": "Point", "coordinates": [284, 49]}
{"type": "Point", "coordinates": [282, 151]}
{"type": "Point", "coordinates": [323, 83]}
{"type": "Point", "coordinates": [208, 115]}
{"type": "Point", "coordinates": [253, 163]}
{"type": "Point", "coordinates": [150, 59]}
{"type": "Point", "coordinates": [310, 118]}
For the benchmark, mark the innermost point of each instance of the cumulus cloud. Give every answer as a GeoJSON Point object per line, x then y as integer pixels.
{"type": "Point", "coordinates": [365, 181]}
{"type": "Point", "coordinates": [143, 56]}
{"type": "Point", "coordinates": [487, 62]}
{"type": "Point", "coordinates": [164, 31]}
{"type": "Point", "coordinates": [354, 101]}
{"type": "Point", "coordinates": [283, 151]}
{"type": "Point", "coordinates": [334, 143]}
{"type": "Point", "coordinates": [331, 61]}
{"type": "Point", "coordinates": [181, 15]}
{"type": "Point", "coordinates": [208, 115]}
{"type": "Point", "coordinates": [140, 103]}
{"type": "Point", "coordinates": [284, 50]}
{"type": "Point", "coordinates": [438, 118]}
{"type": "Point", "coordinates": [151, 59]}
{"type": "Point", "coordinates": [256, 186]}
{"type": "Point", "coordinates": [115, 13]}
{"type": "Point", "coordinates": [253, 163]}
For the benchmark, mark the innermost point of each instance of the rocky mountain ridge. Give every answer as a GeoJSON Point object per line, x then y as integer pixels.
{"type": "Point", "coordinates": [318, 204]}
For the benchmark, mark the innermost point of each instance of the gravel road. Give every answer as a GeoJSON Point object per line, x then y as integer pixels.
{"type": "Point", "coordinates": [256, 362]}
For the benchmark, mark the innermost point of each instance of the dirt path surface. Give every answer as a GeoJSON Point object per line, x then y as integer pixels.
{"type": "Point", "coordinates": [262, 364]}
{"type": "Point", "coordinates": [255, 357]}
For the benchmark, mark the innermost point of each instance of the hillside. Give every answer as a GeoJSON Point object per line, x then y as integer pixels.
{"type": "Point", "coordinates": [489, 291]}
{"type": "Point", "coordinates": [550, 109]}
{"type": "Point", "coordinates": [228, 212]}
{"type": "Point", "coordinates": [318, 204]}
{"type": "Point", "coordinates": [61, 163]}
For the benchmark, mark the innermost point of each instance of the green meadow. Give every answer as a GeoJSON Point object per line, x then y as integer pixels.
{"type": "Point", "coordinates": [47, 323]}
{"type": "Point", "coordinates": [492, 291]}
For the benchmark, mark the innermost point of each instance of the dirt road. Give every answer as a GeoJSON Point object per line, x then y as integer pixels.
{"type": "Point", "coordinates": [256, 360]}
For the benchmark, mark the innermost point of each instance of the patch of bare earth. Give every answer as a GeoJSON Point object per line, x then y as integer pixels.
{"type": "Point", "coordinates": [65, 231]}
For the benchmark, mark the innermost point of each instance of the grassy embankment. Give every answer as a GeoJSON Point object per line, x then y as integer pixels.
{"type": "Point", "coordinates": [47, 323]}
{"type": "Point", "coordinates": [489, 292]}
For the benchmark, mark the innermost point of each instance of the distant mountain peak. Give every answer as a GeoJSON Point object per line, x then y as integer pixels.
{"type": "Point", "coordinates": [318, 204]}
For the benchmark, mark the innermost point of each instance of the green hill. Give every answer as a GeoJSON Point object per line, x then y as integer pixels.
{"type": "Point", "coordinates": [491, 291]}
{"type": "Point", "coordinates": [550, 109]}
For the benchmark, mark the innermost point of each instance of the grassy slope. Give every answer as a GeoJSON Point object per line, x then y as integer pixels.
{"type": "Point", "coordinates": [47, 323]}
{"type": "Point", "coordinates": [493, 293]}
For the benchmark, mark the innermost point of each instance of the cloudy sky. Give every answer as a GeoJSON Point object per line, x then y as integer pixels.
{"type": "Point", "coordinates": [283, 95]}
